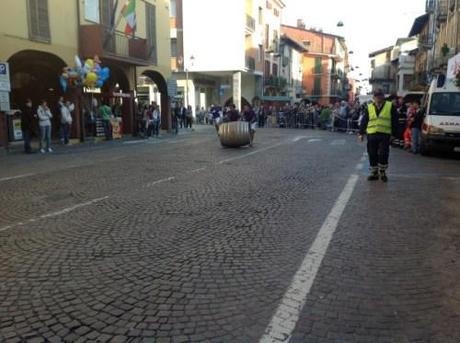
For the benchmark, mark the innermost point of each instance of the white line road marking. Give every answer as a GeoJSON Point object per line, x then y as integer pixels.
{"type": "Point", "coordinates": [55, 214]}
{"type": "Point", "coordinates": [299, 138]}
{"type": "Point", "coordinates": [285, 319]}
{"type": "Point", "coordinates": [151, 184]}
{"type": "Point", "coordinates": [135, 142]}
{"type": "Point", "coordinates": [250, 154]}
{"type": "Point", "coordinates": [338, 142]}
{"type": "Point", "coordinates": [196, 170]}
{"type": "Point", "coordinates": [15, 177]}
{"type": "Point", "coordinates": [313, 140]}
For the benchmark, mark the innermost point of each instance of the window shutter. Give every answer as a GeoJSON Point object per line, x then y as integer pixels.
{"type": "Point", "coordinates": [39, 27]}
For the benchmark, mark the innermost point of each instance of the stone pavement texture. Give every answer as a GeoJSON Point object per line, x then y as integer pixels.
{"type": "Point", "coordinates": [183, 241]}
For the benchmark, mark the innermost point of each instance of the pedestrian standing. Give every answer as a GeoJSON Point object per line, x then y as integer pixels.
{"type": "Point", "coordinates": [189, 117]}
{"type": "Point", "coordinates": [106, 113]}
{"type": "Point", "coordinates": [66, 121]}
{"type": "Point", "coordinates": [28, 120]}
{"type": "Point", "coordinates": [379, 122]}
{"type": "Point", "coordinates": [156, 118]}
{"type": "Point", "coordinates": [416, 122]}
{"type": "Point", "coordinates": [250, 117]}
{"type": "Point", "coordinates": [44, 122]}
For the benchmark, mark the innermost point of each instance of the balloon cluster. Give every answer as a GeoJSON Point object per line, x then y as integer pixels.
{"type": "Point", "coordinates": [88, 74]}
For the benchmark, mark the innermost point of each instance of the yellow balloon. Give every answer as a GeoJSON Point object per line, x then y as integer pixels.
{"type": "Point", "coordinates": [90, 63]}
{"type": "Point", "coordinates": [91, 77]}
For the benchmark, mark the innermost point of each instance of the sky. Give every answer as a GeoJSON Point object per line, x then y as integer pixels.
{"type": "Point", "coordinates": [369, 25]}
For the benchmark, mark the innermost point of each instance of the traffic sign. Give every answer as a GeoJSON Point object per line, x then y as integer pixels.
{"type": "Point", "coordinates": [5, 85]}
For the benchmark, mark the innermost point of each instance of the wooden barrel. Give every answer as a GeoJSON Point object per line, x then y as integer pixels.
{"type": "Point", "coordinates": [234, 134]}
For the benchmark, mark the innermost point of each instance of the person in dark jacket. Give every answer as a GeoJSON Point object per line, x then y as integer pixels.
{"type": "Point", "coordinates": [379, 123]}
{"type": "Point", "coordinates": [415, 124]}
{"type": "Point", "coordinates": [250, 117]}
{"type": "Point", "coordinates": [28, 122]}
{"type": "Point", "coordinates": [232, 114]}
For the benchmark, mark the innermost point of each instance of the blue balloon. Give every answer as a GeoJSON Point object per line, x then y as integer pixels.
{"type": "Point", "coordinates": [63, 83]}
{"type": "Point", "coordinates": [99, 83]}
{"type": "Point", "coordinates": [104, 74]}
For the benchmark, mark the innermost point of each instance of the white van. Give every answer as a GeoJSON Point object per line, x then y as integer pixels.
{"type": "Point", "coordinates": [441, 126]}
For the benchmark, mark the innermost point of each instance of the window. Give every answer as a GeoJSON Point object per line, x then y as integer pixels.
{"type": "Point", "coordinates": [267, 69]}
{"type": "Point", "coordinates": [39, 26]}
{"type": "Point", "coordinates": [268, 5]}
{"type": "Point", "coordinates": [276, 12]}
{"type": "Point", "coordinates": [261, 15]}
{"type": "Point", "coordinates": [173, 47]}
{"type": "Point", "coordinates": [260, 53]}
{"type": "Point", "coordinates": [173, 9]}
{"type": "Point", "coordinates": [106, 13]}
{"type": "Point", "coordinates": [318, 65]}
{"type": "Point", "coordinates": [275, 69]}
{"type": "Point", "coordinates": [317, 86]}
{"type": "Point", "coordinates": [267, 36]}
{"type": "Point", "coordinates": [150, 13]}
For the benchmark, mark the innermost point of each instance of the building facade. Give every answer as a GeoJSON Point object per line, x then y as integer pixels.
{"type": "Point", "coordinates": [229, 65]}
{"type": "Point", "coordinates": [292, 53]}
{"type": "Point", "coordinates": [41, 37]}
{"type": "Point", "coordinates": [325, 64]}
{"type": "Point", "coordinates": [403, 61]}
{"type": "Point", "coordinates": [382, 72]}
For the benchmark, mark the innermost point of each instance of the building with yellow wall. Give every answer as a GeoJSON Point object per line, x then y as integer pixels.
{"type": "Point", "coordinates": [40, 37]}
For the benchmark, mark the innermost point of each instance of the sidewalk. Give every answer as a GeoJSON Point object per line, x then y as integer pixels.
{"type": "Point", "coordinates": [17, 148]}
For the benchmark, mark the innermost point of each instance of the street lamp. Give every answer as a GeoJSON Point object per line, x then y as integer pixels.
{"type": "Point", "coordinates": [192, 60]}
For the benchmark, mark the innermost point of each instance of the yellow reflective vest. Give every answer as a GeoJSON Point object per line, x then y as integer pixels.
{"type": "Point", "coordinates": [382, 122]}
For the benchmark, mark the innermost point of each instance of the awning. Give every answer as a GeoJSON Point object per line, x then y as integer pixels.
{"type": "Point", "coordinates": [418, 25]}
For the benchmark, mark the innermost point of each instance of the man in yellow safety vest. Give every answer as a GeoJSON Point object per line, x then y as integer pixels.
{"type": "Point", "coordinates": [379, 123]}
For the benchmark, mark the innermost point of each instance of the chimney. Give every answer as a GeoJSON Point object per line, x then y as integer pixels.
{"type": "Point", "coordinates": [300, 24]}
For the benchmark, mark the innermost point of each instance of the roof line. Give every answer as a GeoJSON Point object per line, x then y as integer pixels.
{"type": "Point", "coordinates": [312, 31]}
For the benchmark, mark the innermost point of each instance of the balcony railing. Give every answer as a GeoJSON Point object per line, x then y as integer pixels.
{"type": "Point", "coordinates": [426, 42]}
{"type": "Point", "coordinates": [250, 63]}
{"type": "Point", "coordinates": [101, 41]}
{"type": "Point", "coordinates": [276, 82]}
{"type": "Point", "coordinates": [250, 23]}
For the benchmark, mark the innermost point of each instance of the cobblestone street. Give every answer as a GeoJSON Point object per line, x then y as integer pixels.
{"type": "Point", "coordinates": [180, 240]}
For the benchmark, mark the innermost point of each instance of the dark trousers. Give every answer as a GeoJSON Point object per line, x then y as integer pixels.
{"type": "Point", "coordinates": [65, 132]}
{"type": "Point", "coordinates": [378, 148]}
{"type": "Point", "coordinates": [27, 136]}
{"type": "Point", "coordinates": [189, 121]}
{"type": "Point", "coordinates": [107, 129]}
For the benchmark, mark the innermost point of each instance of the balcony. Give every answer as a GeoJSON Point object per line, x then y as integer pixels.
{"type": "Point", "coordinates": [250, 24]}
{"type": "Point", "coordinates": [426, 42]}
{"type": "Point", "coordinates": [101, 41]}
{"type": "Point", "coordinates": [250, 63]}
{"type": "Point", "coordinates": [279, 83]}
{"type": "Point", "coordinates": [442, 10]}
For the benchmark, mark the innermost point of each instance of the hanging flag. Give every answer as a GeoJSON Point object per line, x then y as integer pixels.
{"type": "Point", "coordinates": [129, 13]}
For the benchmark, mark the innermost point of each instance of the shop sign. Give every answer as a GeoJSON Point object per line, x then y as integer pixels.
{"type": "Point", "coordinates": [5, 85]}
{"type": "Point", "coordinates": [91, 90]}
{"type": "Point", "coordinates": [5, 101]}
{"type": "Point", "coordinates": [17, 132]}
{"type": "Point", "coordinates": [172, 88]}
{"type": "Point", "coordinates": [121, 95]}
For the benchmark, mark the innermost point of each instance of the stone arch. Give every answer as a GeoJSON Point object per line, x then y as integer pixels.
{"type": "Point", "coordinates": [162, 86]}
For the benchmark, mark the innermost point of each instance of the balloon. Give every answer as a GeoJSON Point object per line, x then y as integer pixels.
{"type": "Point", "coordinates": [97, 68]}
{"type": "Point", "coordinates": [91, 77]}
{"type": "Point", "coordinates": [104, 74]}
{"type": "Point", "coordinates": [78, 63]}
{"type": "Point", "coordinates": [97, 59]}
{"type": "Point", "coordinates": [63, 83]}
{"type": "Point", "coordinates": [99, 83]}
{"type": "Point", "coordinates": [90, 63]}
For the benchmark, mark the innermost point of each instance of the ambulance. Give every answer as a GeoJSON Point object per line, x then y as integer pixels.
{"type": "Point", "coordinates": [441, 126]}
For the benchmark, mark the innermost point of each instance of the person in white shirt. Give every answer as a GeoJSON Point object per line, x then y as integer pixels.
{"type": "Point", "coordinates": [44, 122]}
{"type": "Point", "coordinates": [156, 117]}
{"type": "Point", "coordinates": [66, 120]}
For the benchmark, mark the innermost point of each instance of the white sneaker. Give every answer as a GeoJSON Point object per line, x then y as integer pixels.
{"type": "Point", "coordinates": [50, 150]}
{"type": "Point", "coordinates": [42, 151]}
